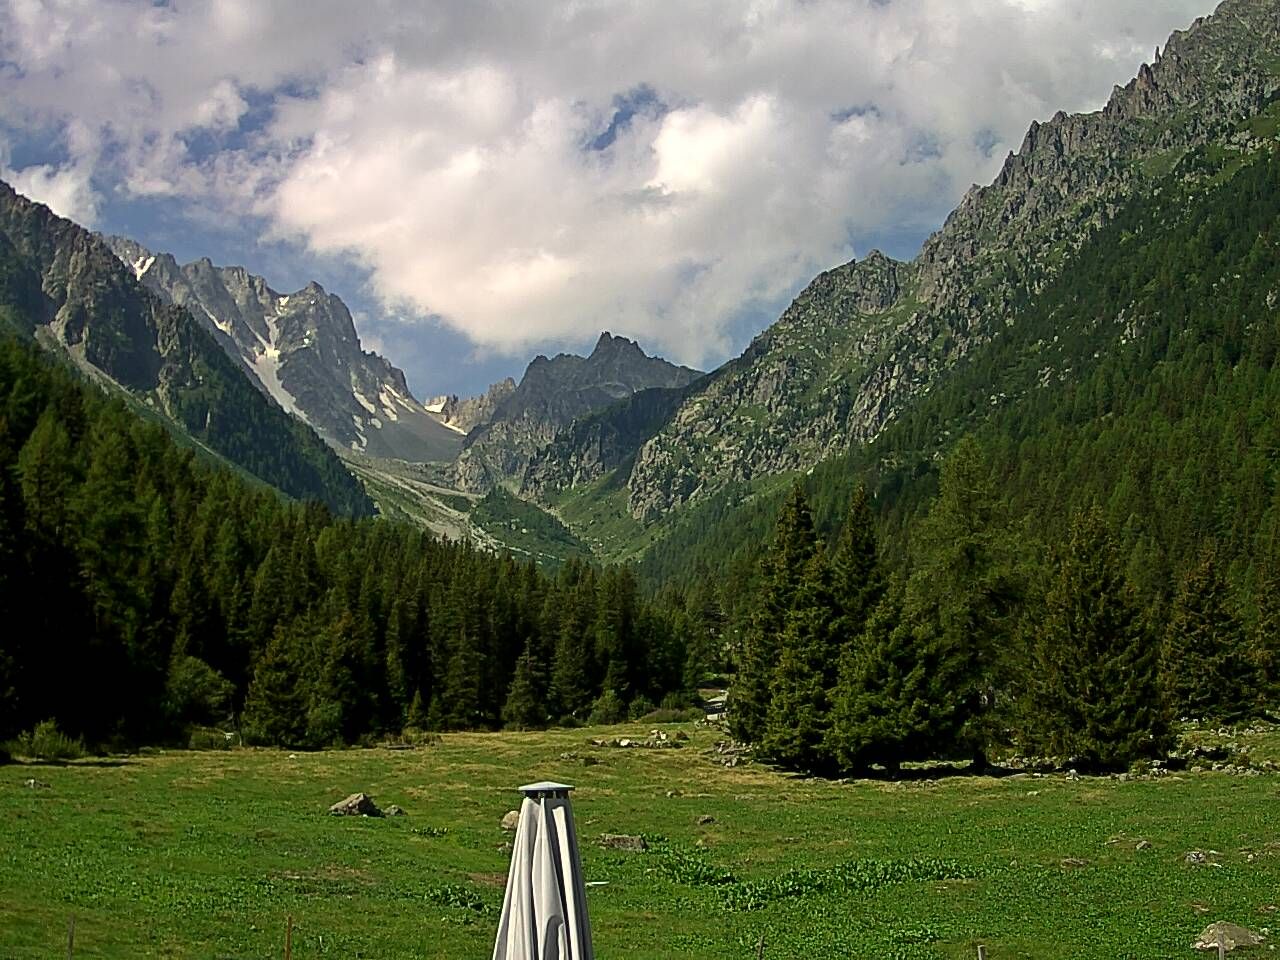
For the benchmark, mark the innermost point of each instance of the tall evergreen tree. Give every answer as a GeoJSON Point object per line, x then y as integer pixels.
{"type": "Point", "coordinates": [782, 568]}
{"type": "Point", "coordinates": [961, 597]}
{"type": "Point", "coordinates": [526, 706]}
{"type": "Point", "coordinates": [1094, 691]}
{"type": "Point", "coordinates": [1207, 669]}
{"type": "Point", "coordinates": [798, 715]}
{"type": "Point", "coordinates": [857, 580]}
{"type": "Point", "coordinates": [891, 703]}
{"type": "Point", "coordinates": [275, 707]}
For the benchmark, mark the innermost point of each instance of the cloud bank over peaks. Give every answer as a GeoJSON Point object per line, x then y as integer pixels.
{"type": "Point", "coordinates": [530, 174]}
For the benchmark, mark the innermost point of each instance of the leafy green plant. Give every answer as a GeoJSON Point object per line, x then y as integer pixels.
{"type": "Point", "coordinates": [46, 742]}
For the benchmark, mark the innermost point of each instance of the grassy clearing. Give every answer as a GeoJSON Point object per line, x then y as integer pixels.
{"type": "Point", "coordinates": [186, 855]}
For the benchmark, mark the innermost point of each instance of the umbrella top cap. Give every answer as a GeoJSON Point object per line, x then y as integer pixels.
{"type": "Point", "coordinates": [545, 789]}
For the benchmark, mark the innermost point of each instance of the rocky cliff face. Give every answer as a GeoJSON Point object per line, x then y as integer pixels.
{"type": "Point", "coordinates": [302, 350]}
{"type": "Point", "coordinates": [465, 415]}
{"type": "Point", "coordinates": [62, 284]}
{"type": "Point", "coordinates": [552, 394]}
{"type": "Point", "coordinates": [863, 340]}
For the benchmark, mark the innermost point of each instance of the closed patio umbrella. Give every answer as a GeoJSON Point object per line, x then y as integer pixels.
{"type": "Point", "coordinates": [544, 912]}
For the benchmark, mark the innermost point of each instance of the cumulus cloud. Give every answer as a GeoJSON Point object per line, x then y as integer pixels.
{"type": "Point", "coordinates": [532, 173]}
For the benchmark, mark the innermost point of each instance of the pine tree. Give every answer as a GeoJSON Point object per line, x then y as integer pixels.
{"type": "Point", "coordinates": [1094, 688]}
{"type": "Point", "coordinates": [461, 701]}
{"type": "Point", "coordinates": [571, 693]}
{"type": "Point", "coordinates": [275, 707]}
{"type": "Point", "coordinates": [857, 581]}
{"type": "Point", "coordinates": [781, 570]}
{"type": "Point", "coordinates": [1206, 666]}
{"type": "Point", "coordinates": [798, 717]}
{"type": "Point", "coordinates": [891, 703]}
{"type": "Point", "coordinates": [526, 706]}
{"type": "Point", "coordinates": [960, 599]}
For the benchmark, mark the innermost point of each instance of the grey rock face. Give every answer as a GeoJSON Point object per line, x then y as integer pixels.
{"type": "Point", "coordinates": [865, 339]}
{"type": "Point", "coordinates": [465, 415]}
{"type": "Point", "coordinates": [552, 394]}
{"type": "Point", "coordinates": [302, 350]}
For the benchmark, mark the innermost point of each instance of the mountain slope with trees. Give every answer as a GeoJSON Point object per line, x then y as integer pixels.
{"type": "Point", "coordinates": [147, 591]}
{"type": "Point", "coordinates": [61, 285]}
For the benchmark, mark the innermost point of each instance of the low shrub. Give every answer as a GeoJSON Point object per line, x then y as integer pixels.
{"type": "Point", "coordinates": [670, 715]}
{"type": "Point", "coordinates": [416, 737]}
{"type": "Point", "coordinates": [639, 707]}
{"type": "Point", "coordinates": [46, 742]}
{"type": "Point", "coordinates": [608, 709]}
{"type": "Point", "coordinates": [209, 738]}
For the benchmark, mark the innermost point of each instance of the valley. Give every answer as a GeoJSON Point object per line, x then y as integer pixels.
{"type": "Point", "coordinates": [943, 616]}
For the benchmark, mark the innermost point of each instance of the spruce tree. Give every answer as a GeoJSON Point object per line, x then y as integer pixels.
{"type": "Point", "coordinates": [781, 571]}
{"type": "Point", "coordinates": [798, 716]}
{"type": "Point", "coordinates": [1094, 691]}
{"type": "Point", "coordinates": [857, 581]}
{"type": "Point", "coordinates": [526, 706]}
{"type": "Point", "coordinates": [891, 703]}
{"type": "Point", "coordinates": [960, 599]}
{"type": "Point", "coordinates": [275, 707]}
{"type": "Point", "coordinates": [571, 692]}
{"type": "Point", "coordinates": [461, 700]}
{"type": "Point", "coordinates": [1207, 668]}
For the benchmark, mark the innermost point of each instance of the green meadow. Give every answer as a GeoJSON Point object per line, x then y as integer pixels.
{"type": "Point", "coordinates": [205, 855]}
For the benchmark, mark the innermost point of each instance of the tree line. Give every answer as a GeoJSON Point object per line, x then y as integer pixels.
{"type": "Point", "coordinates": [146, 591]}
{"type": "Point", "coordinates": [981, 647]}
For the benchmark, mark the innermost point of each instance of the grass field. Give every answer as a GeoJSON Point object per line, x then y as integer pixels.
{"type": "Point", "coordinates": [202, 855]}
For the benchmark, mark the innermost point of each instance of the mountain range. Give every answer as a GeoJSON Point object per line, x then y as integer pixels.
{"type": "Point", "coordinates": [873, 371]}
{"type": "Point", "coordinates": [302, 350]}
{"type": "Point", "coordinates": [62, 286]}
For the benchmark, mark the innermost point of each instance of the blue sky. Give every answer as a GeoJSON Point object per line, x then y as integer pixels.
{"type": "Point", "coordinates": [483, 181]}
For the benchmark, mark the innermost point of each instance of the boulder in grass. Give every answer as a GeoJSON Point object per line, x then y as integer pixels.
{"type": "Point", "coordinates": [1231, 936]}
{"type": "Point", "coordinates": [394, 811]}
{"type": "Point", "coordinates": [622, 841]}
{"type": "Point", "coordinates": [511, 820]}
{"type": "Point", "coordinates": [356, 805]}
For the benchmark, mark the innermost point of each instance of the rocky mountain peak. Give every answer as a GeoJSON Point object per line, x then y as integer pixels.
{"type": "Point", "coordinates": [610, 346]}
{"type": "Point", "coordinates": [551, 395]}
{"type": "Point", "coordinates": [302, 350]}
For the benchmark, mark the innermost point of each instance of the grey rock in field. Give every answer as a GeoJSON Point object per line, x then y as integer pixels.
{"type": "Point", "coordinates": [356, 805]}
{"type": "Point", "coordinates": [706, 820]}
{"type": "Point", "coordinates": [395, 811]}
{"type": "Point", "coordinates": [1231, 935]}
{"type": "Point", "coordinates": [1143, 845]}
{"type": "Point", "coordinates": [622, 841]}
{"type": "Point", "coordinates": [510, 820]}
{"type": "Point", "coordinates": [35, 784]}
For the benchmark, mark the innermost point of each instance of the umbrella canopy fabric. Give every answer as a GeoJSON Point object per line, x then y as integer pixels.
{"type": "Point", "coordinates": [544, 913]}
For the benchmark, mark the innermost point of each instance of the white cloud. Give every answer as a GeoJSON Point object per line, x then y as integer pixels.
{"type": "Point", "coordinates": [446, 151]}
{"type": "Point", "coordinates": [65, 190]}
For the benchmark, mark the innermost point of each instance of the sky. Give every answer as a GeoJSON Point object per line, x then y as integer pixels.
{"type": "Point", "coordinates": [482, 181]}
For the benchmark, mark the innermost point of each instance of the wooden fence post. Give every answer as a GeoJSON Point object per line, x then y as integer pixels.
{"type": "Point", "coordinates": [288, 937]}
{"type": "Point", "coordinates": [71, 936]}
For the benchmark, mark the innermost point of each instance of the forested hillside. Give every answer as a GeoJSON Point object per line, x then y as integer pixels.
{"type": "Point", "coordinates": [1143, 380]}
{"type": "Point", "coordinates": [145, 591]}
{"type": "Point", "coordinates": [61, 285]}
